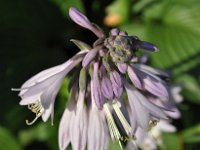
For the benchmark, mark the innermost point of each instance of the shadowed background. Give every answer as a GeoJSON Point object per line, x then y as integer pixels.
{"type": "Point", "coordinates": [34, 35]}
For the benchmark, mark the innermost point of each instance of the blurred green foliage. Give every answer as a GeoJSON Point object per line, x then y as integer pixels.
{"type": "Point", "coordinates": [35, 35]}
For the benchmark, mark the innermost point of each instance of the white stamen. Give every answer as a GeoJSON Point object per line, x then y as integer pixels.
{"type": "Point", "coordinates": [114, 132]}
{"type": "Point", "coordinates": [124, 122]}
{"type": "Point", "coordinates": [37, 109]}
{"type": "Point", "coordinates": [32, 122]}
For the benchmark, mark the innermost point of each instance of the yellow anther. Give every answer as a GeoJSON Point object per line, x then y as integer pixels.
{"type": "Point", "coordinates": [152, 123]}
{"type": "Point", "coordinates": [37, 109]}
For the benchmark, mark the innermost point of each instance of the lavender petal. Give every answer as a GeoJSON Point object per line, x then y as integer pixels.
{"type": "Point", "coordinates": [50, 93]}
{"type": "Point", "coordinates": [64, 136]}
{"type": "Point", "coordinates": [96, 135]}
{"type": "Point", "coordinates": [134, 78]}
{"type": "Point", "coordinates": [153, 109]}
{"type": "Point", "coordinates": [44, 75]}
{"type": "Point", "coordinates": [106, 88]}
{"type": "Point", "coordinates": [30, 99]}
{"type": "Point", "coordinates": [148, 46]}
{"type": "Point", "coordinates": [144, 58]}
{"type": "Point", "coordinates": [98, 96]}
{"type": "Point", "coordinates": [78, 125]}
{"type": "Point", "coordinates": [141, 113]}
{"type": "Point", "coordinates": [48, 112]}
{"type": "Point", "coordinates": [114, 32]}
{"type": "Point", "coordinates": [90, 56]}
{"type": "Point", "coordinates": [122, 67]}
{"type": "Point", "coordinates": [118, 91]}
{"type": "Point", "coordinates": [151, 70]}
{"type": "Point", "coordinates": [153, 84]}
{"type": "Point", "coordinates": [115, 78]}
{"type": "Point", "coordinates": [83, 21]}
{"type": "Point", "coordinates": [156, 88]}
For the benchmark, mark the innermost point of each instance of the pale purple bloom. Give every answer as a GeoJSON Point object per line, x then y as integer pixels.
{"type": "Point", "coordinates": [98, 94]}
{"type": "Point", "coordinates": [143, 110]}
{"type": "Point", "coordinates": [116, 95]}
{"type": "Point", "coordinates": [152, 139]}
{"type": "Point", "coordinates": [64, 128]}
{"type": "Point", "coordinates": [40, 91]}
{"type": "Point", "coordinates": [97, 137]}
{"type": "Point", "coordinates": [78, 124]}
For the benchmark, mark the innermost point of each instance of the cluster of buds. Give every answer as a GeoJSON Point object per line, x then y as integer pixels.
{"type": "Point", "coordinates": [115, 96]}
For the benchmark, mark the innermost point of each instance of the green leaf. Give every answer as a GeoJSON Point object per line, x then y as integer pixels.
{"type": "Point", "coordinates": [140, 5]}
{"type": "Point", "coordinates": [191, 88]}
{"type": "Point", "coordinates": [192, 134]}
{"type": "Point", "coordinates": [171, 141]}
{"type": "Point", "coordinates": [193, 139]}
{"type": "Point", "coordinates": [8, 141]}
{"type": "Point", "coordinates": [135, 29]}
{"type": "Point", "coordinates": [41, 132]}
{"type": "Point", "coordinates": [175, 29]}
{"type": "Point", "coordinates": [114, 146]}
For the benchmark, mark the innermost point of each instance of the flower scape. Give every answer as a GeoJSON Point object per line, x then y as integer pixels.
{"type": "Point", "coordinates": [114, 95]}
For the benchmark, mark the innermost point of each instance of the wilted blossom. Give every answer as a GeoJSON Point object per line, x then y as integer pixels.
{"type": "Point", "coordinates": [114, 96]}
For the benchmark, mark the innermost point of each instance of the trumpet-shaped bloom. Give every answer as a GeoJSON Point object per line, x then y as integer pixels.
{"type": "Point", "coordinates": [115, 95]}
{"type": "Point", "coordinates": [40, 91]}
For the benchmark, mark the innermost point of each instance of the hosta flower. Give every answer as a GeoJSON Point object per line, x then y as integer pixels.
{"type": "Point", "coordinates": [110, 97]}
{"type": "Point", "coordinates": [152, 139]}
{"type": "Point", "coordinates": [40, 91]}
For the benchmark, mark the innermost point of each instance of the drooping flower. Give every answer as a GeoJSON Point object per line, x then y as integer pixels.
{"type": "Point", "coordinates": [40, 91]}
{"type": "Point", "coordinates": [112, 98]}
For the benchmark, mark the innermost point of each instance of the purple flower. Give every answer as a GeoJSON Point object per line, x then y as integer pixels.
{"type": "Point", "coordinates": [39, 92]}
{"type": "Point", "coordinates": [116, 95]}
{"type": "Point", "coordinates": [96, 139]}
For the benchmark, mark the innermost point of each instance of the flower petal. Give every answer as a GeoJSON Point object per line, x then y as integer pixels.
{"type": "Point", "coordinates": [49, 95]}
{"type": "Point", "coordinates": [64, 136]}
{"type": "Point", "coordinates": [78, 129]}
{"type": "Point", "coordinates": [30, 99]}
{"type": "Point", "coordinates": [154, 71]}
{"type": "Point", "coordinates": [48, 112]}
{"type": "Point", "coordinates": [83, 21]}
{"type": "Point", "coordinates": [156, 88]}
{"type": "Point", "coordinates": [115, 78]}
{"type": "Point", "coordinates": [144, 58]}
{"type": "Point", "coordinates": [166, 126]}
{"type": "Point", "coordinates": [117, 91]}
{"type": "Point", "coordinates": [153, 84]}
{"type": "Point", "coordinates": [141, 113]}
{"type": "Point", "coordinates": [98, 96]}
{"type": "Point", "coordinates": [122, 67]}
{"type": "Point", "coordinates": [153, 109]}
{"type": "Point", "coordinates": [90, 56]}
{"type": "Point", "coordinates": [62, 69]}
{"type": "Point", "coordinates": [134, 78]}
{"type": "Point", "coordinates": [114, 32]}
{"type": "Point", "coordinates": [106, 88]}
{"type": "Point", "coordinates": [148, 46]}
{"type": "Point", "coordinates": [96, 135]}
